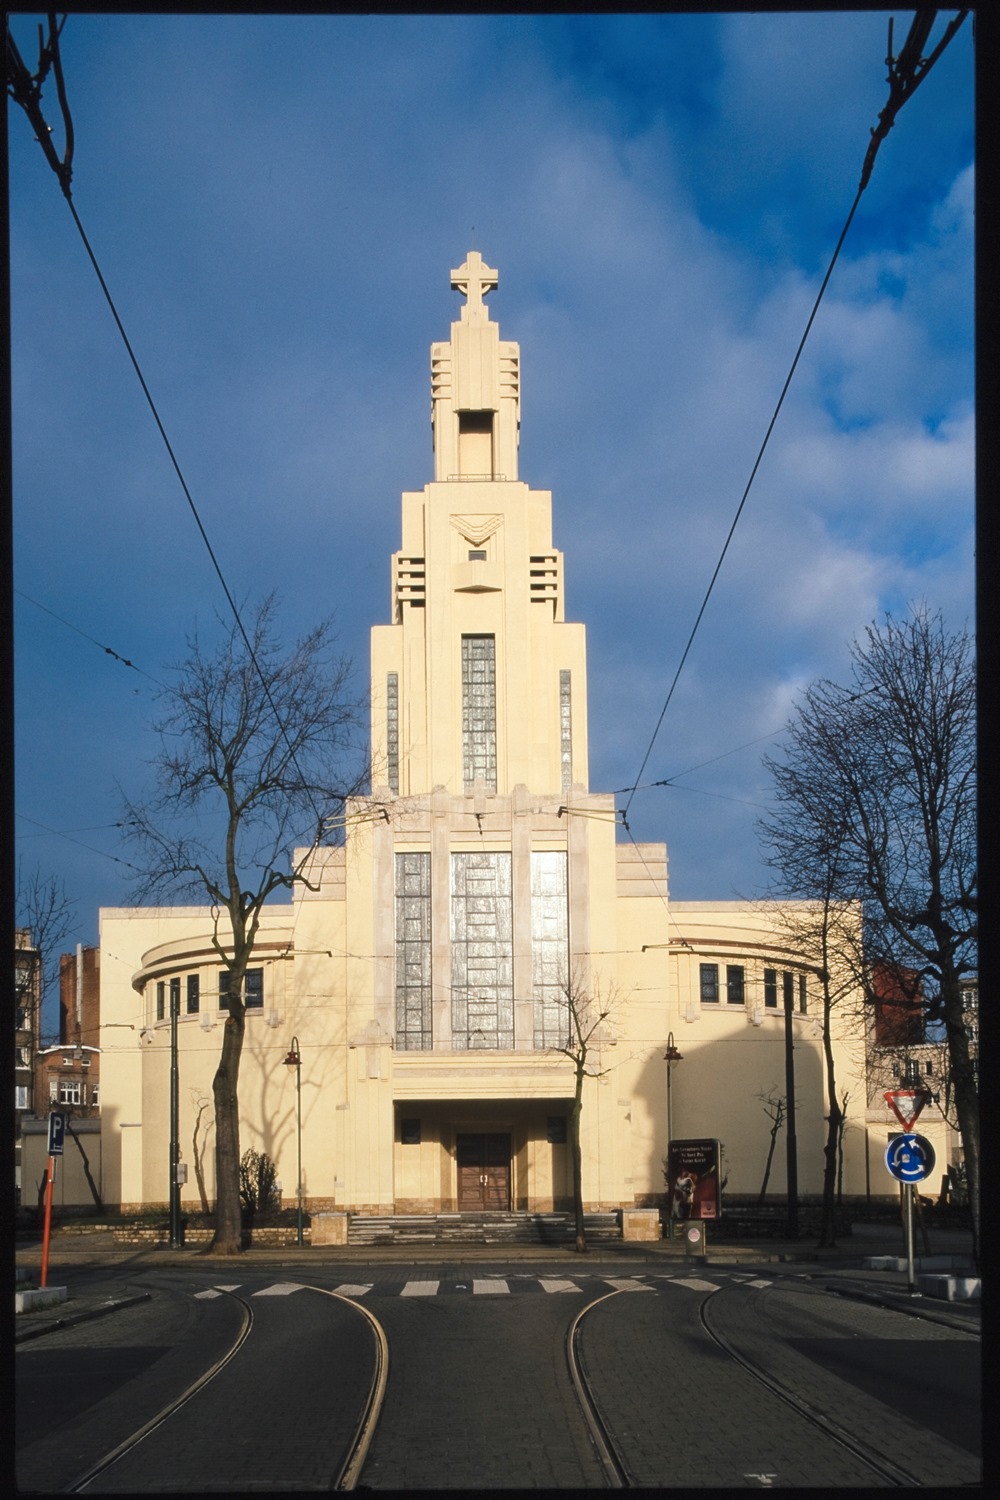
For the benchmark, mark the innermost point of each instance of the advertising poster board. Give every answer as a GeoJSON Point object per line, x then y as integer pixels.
{"type": "Point", "coordinates": [693, 1180]}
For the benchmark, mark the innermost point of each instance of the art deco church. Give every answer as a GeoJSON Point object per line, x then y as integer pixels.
{"type": "Point", "coordinates": [425, 977]}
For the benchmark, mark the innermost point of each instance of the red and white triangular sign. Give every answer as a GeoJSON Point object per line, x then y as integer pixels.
{"type": "Point", "coordinates": [906, 1104]}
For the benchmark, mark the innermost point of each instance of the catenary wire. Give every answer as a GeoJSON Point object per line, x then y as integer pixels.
{"type": "Point", "coordinates": [905, 74]}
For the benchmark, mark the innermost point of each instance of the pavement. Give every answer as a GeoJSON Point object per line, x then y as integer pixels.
{"type": "Point", "coordinates": [76, 1260]}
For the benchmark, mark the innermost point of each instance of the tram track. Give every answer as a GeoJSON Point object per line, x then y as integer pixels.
{"type": "Point", "coordinates": [612, 1448]}
{"type": "Point", "coordinates": [79, 1485]}
{"type": "Point", "coordinates": [346, 1467]}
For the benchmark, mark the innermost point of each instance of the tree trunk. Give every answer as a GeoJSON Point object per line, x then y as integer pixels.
{"type": "Point", "coordinates": [776, 1126]}
{"type": "Point", "coordinates": [228, 1237]}
{"type": "Point", "coordinates": [576, 1161]}
{"type": "Point", "coordinates": [831, 1148]}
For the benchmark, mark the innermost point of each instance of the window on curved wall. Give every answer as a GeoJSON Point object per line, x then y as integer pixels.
{"type": "Point", "coordinates": [708, 976]}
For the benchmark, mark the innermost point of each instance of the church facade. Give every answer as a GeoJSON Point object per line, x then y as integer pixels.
{"type": "Point", "coordinates": [481, 905]}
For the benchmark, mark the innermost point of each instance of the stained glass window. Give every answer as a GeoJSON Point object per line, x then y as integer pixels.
{"type": "Point", "coordinates": [482, 955]}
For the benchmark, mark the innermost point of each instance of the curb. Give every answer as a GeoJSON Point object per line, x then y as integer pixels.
{"type": "Point", "coordinates": [49, 1325]}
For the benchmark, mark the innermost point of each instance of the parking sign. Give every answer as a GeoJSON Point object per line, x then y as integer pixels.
{"type": "Point", "coordinates": [57, 1131]}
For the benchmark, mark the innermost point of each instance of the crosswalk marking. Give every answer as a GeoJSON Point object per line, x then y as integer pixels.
{"type": "Point", "coordinates": [518, 1282]}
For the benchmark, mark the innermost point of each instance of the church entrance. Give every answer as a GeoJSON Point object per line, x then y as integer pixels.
{"type": "Point", "coordinates": [483, 1172]}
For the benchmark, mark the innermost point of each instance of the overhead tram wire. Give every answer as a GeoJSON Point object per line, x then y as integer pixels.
{"type": "Point", "coordinates": [26, 91]}
{"type": "Point", "coordinates": [93, 640]}
{"type": "Point", "coordinates": [906, 73]}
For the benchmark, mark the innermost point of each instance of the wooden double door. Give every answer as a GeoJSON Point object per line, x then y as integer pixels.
{"type": "Point", "coordinates": [483, 1172]}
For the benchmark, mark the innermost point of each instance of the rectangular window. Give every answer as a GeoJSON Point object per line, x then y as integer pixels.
{"type": "Point", "coordinates": [253, 989]}
{"type": "Point", "coordinates": [802, 993]}
{"type": "Point", "coordinates": [709, 984]}
{"type": "Point", "coordinates": [53, 1090]}
{"type": "Point", "coordinates": [479, 710]}
{"type": "Point", "coordinates": [161, 1000]}
{"type": "Point", "coordinates": [193, 994]}
{"type": "Point", "coordinates": [566, 728]}
{"type": "Point", "coordinates": [175, 997]}
{"type": "Point", "coordinates": [95, 1094]}
{"type": "Point", "coordinates": [482, 952]}
{"type": "Point", "coordinates": [392, 730]}
{"type": "Point", "coordinates": [735, 985]}
{"type": "Point", "coordinates": [20, 1096]}
{"type": "Point", "coordinates": [771, 989]}
{"type": "Point", "coordinates": [70, 1090]}
{"type": "Point", "coordinates": [414, 1026]}
{"type": "Point", "coordinates": [549, 947]}
{"type": "Point", "coordinates": [556, 1130]}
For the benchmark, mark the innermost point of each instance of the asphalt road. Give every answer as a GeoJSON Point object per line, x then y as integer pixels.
{"type": "Point", "coordinates": [479, 1393]}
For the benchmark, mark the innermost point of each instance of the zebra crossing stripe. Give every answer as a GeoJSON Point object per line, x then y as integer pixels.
{"type": "Point", "coordinates": [480, 1288]}
{"type": "Point", "coordinates": [695, 1285]}
{"type": "Point", "coordinates": [627, 1284]}
{"type": "Point", "coordinates": [348, 1289]}
{"type": "Point", "coordinates": [559, 1286]}
{"type": "Point", "coordinates": [279, 1289]}
{"type": "Point", "coordinates": [420, 1289]}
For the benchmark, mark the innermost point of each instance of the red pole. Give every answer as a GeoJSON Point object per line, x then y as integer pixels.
{"type": "Point", "coordinates": [48, 1222]}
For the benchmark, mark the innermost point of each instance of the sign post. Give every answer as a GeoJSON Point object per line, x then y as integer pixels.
{"type": "Point", "coordinates": [57, 1133]}
{"type": "Point", "coordinates": [910, 1159]}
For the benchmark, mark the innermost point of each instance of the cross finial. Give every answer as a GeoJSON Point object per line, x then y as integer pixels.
{"type": "Point", "coordinates": [475, 279]}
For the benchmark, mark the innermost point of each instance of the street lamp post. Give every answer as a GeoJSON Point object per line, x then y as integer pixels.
{"type": "Point", "coordinates": [175, 1152]}
{"type": "Point", "coordinates": [294, 1060]}
{"type": "Point", "coordinates": [670, 1057]}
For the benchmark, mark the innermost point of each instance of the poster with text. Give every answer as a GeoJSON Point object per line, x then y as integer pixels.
{"type": "Point", "coordinates": [693, 1180]}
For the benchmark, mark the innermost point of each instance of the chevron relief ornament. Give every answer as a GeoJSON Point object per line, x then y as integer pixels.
{"type": "Point", "coordinates": [477, 529]}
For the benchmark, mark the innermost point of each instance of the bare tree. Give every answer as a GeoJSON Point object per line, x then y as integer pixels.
{"type": "Point", "coordinates": [880, 775]}
{"type": "Point", "coordinates": [774, 1107]}
{"type": "Point", "coordinates": [259, 750]}
{"type": "Point", "coordinates": [45, 917]}
{"type": "Point", "coordinates": [587, 1016]}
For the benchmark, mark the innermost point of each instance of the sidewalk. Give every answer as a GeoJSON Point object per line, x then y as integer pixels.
{"type": "Point", "coordinates": [841, 1269]}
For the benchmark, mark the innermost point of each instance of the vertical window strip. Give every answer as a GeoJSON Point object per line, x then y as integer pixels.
{"type": "Point", "coordinates": [479, 709]}
{"type": "Point", "coordinates": [709, 978]}
{"type": "Point", "coordinates": [482, 952]}
{"type": "Point", "coordinates": [549, 947]}
{"type": "Point", "coordinates": [414, 1026]}
{"type": "Point", "coordinates": [392, 729]}
{"type": "Point", "coordinates": [566, 728]}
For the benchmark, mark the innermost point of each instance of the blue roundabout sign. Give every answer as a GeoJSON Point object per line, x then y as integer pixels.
{"type": "Point", "coordinates": [910, 1158]}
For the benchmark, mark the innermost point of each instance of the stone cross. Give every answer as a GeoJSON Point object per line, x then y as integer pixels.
{"type": "Point", "coordinates": [474, 279]}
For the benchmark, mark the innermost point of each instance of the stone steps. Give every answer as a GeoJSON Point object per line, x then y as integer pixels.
{"type": "Point", "coordinates": [478, 1229]}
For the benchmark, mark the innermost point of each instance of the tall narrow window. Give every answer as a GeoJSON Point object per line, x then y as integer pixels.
{"type": "Point", "coordinates": [709, 984]}
{"type": "Point", "coordinates": [802, 993]}
{"type": "Point", "coordinates": [392, 729]}
{"type": "Point", "coordinates": [161, 999]}
{"type": "Point", "coordinates": [788, 990]}
{"type": "Point", "coordinates": [193, 994]}
{"type": "Point", "coordinates": [735, 984]}
{"type": "Point", "coordinates": [175, 996]}
{"type": "Point", "coordinates": [482, 952]}
{"type": "Point", "coordinates": [479, 709]}
{"type": "Point", "coordinates": [413, 952]}
{"type": "Point", "coordinates": [771, 989]}
{"type": "Point", "coordinates": [549, 947]}
{"type": "Point", "coordinates": [566, 728]}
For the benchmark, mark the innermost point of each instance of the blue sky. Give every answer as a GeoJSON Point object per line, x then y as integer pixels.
{"type": "Point", "coordinates": [276, 203]}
